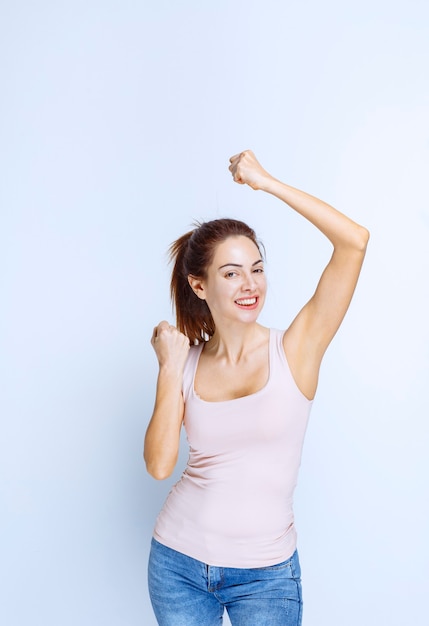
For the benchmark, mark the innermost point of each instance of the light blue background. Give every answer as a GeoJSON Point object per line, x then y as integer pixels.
{"type": "Point", "coordinates": [117, 122]}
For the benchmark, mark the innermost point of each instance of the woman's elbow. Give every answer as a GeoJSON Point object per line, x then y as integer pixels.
{"type": "Point", "coordinates": [362, 238]}
{"type": "Point", "coordinates": [159, 471]}
{"type": "Point", "coordinates": [159, 474]}
{"type": "Point", "coordinates": [358, 240]}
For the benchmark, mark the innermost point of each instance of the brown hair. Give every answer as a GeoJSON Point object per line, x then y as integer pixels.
{"type": "Point", "coordinates": [192, 254]}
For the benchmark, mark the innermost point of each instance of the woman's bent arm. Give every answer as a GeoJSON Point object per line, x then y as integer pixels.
{"type": "Point", "coordinates": [162, 439]}
{"type": "Point", "coordinates": [316, 324]}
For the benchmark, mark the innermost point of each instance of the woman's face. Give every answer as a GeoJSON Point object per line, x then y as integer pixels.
{"type": "Point", "coordinates": [235, 286]}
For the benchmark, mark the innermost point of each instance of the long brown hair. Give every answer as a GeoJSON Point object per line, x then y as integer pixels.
{"type": "Point", "coordinates": [192, 254]}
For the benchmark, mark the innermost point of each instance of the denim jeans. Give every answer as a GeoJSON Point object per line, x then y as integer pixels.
{"type": "Point", "coordinates": [187, 592]}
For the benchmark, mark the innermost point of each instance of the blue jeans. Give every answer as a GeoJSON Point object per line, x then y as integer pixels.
{"type": "Point", "coordinates": [187, 592]}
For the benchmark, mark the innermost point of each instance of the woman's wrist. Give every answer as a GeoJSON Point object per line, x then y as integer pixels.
{"type": "Point", "coordinates": [272, 185]}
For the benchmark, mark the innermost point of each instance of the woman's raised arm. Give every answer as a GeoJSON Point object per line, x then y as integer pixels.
{"type": "Point", "coordinates": [162, 439]}
{"type": "Point", "coordinates": [316, 324]}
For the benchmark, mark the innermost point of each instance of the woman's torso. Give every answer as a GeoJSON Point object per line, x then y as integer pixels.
{"type": "Point", "coordinates": [233, 505]}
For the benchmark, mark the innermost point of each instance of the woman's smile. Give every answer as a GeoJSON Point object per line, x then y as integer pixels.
{"type": "Point", "coordinates": [248, 303]}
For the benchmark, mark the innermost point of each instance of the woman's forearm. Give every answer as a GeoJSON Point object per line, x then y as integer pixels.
{"type": "Point", "coordinates": [337, 227]}
{"type": "Point", "coordinates": [161, 445]}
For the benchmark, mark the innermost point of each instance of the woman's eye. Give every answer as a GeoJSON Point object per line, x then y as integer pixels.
{"type": "Point", "coordinates": [230, 274]}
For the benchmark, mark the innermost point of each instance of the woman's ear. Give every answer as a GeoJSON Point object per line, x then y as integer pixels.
{"type": "Point", "coordinates": [197, 286]}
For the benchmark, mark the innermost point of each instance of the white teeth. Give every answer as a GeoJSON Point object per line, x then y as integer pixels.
{"type": "Point", "coordinates": [247, 301]}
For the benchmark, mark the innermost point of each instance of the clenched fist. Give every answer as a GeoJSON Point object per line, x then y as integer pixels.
{"type": "Point", "coordinates": [170, 345]}
{"type": "Point", "coordinates": [246, 170]}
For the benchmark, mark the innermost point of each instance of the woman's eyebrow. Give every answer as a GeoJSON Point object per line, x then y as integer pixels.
{"type": "Point", "coordinates": [238, 265]}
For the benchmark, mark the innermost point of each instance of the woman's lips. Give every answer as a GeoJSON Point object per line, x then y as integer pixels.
{"type": "Point", "coordinates": [247, 303]}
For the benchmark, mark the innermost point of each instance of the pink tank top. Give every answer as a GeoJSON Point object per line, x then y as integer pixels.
{"type": "Point", "coordinates": [233, 505]}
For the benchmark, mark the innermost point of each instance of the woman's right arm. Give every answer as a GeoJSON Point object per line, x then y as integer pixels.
{"type": "Point", "coordinates": [162, 439]}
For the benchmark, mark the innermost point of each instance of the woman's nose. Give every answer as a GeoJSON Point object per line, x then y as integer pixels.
{"type": "Point", "coordinates": [249, 282]}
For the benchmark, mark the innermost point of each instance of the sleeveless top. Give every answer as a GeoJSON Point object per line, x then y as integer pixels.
{"type": "Point", "coordinates": [233, 505]}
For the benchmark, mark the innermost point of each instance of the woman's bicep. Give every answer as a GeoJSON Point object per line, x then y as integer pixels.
{"type": "Point", "coordinates": [313, 329]}
{"type": "Point", "coordinates": [325, 311]}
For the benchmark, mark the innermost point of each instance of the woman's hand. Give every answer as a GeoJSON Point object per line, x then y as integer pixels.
{"type": "Point", "coordinates": [246, 170]}
{"type": "Point", "coordinates": [170, 345]}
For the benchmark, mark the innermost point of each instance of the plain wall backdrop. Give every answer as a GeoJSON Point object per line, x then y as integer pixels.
{"type": "Point", "coordinates": [117, 120]}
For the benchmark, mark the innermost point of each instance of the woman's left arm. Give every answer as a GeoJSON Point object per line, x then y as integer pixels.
{"type": "Point", "coordinates": [315, 325]}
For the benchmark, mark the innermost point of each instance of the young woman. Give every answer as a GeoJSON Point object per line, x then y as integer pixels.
{"type": "Point", "coordinates": [225, 538]}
